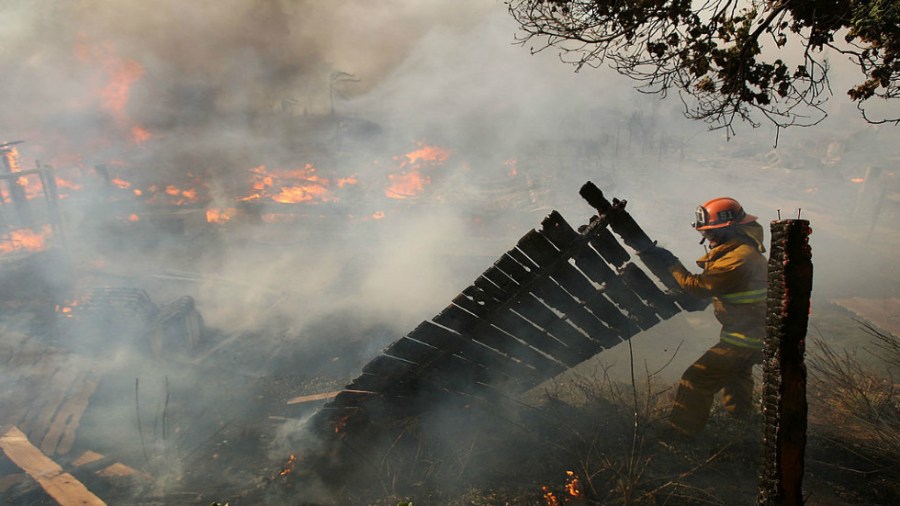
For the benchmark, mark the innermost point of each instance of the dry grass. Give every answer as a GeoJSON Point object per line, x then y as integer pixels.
{"type": "Point", "coordinates": [860, 399]}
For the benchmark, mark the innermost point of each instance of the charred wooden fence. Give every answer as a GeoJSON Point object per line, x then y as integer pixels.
{"type": "Point", "coordinates": [556, 299]}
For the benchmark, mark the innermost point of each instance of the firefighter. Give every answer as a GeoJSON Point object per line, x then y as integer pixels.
{"type": "Point", "coordinates": [734, 277]}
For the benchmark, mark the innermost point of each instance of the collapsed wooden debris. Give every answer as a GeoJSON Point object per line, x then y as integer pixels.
{"type": "Point", "coordinates": [175, 324]}
{"type": "Point", "coordinates": [556, 299]}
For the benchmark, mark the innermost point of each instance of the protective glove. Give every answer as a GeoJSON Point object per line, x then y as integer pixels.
{"type": "Point", "coordinates": [660, 255]}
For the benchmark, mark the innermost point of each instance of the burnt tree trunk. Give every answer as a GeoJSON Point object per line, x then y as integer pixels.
{"type": "Point", "coordinates": [784, 372]}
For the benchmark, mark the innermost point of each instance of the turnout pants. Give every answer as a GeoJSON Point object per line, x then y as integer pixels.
{"type": "Point", "coordinates": [723, 367]}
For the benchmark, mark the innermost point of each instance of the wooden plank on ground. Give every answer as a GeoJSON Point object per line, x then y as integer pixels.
{"type": "Point", "coordinates": [61, 436]}
{"type": "Point", "coordinates": [61, 486]}
{"type": "Point", "coordinates": [102, 465]}
{"type": "Point", "coordinates": [324, 396]}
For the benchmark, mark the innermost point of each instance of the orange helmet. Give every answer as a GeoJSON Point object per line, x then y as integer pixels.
{"type": "Point", "coordinates": [720, 213]}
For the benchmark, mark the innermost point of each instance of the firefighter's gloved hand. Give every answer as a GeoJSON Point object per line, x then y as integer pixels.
{"type": "Point", "coordinates": [582, 229]}
{"type": "Point", "coordinates": [660, 255]}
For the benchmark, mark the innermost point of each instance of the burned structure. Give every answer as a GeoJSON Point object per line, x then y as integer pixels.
{"type": "Point", "coordinates": [556, 299]}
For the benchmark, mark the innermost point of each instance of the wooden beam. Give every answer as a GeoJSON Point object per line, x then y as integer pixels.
{"type": "Point", "coordinates": [61, 486]}
{"type": "Point", "coordinates": [324, 396]}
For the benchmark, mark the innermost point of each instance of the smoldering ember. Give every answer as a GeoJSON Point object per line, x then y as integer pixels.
{"type": "Point", "coordinates": [349, 252]}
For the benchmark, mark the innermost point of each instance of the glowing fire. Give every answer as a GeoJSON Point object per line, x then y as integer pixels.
{"type": "Point", "coordinates": [139, 134]}
{"type": "Point", "coordinates": [410, 181]}
{"type": "Point", "coordinates": [293, 186]}
{"type": "Point", "coordinates": [25, 239]}
{"type": "Point", "coordinates": [219, 215]}
{"type": "Point", "coordinates": [573, 484]}
{"type": "Point", "coordinates": [427, 154]}
{"type": "Point", "coordinates": [341, 424]}
{"type": "Point", "coordinates": [288, 467]}
{"type": "Point", "coordinates": [549, 497]}
{"type": "Point", "coordinates": [572, 490]}
{"type": "Point", "coordinates": [511, 167]}
{"type": "Point", "coordinates": [121, 183]}
{"type": "Point", "coordinates": [12, 159]}
{"type": "Point", "coordinates": [121, 74]}
{"type": "Point", "coordinates": [377, 215]}
{"type": "Point", "coordinates": [406, 185]}
{"type": "Point", "coordinates": [67, 309]}
{"type": "Point", "coordinates": [858, 180]}
{"type": "Point", "coordinates": [134, 218]}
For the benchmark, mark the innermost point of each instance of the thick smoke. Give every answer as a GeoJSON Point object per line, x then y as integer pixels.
{"type": "Point", "coordinates": [177, 93]}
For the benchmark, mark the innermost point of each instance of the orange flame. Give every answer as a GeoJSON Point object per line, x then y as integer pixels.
{"type": "Point", "coordinates": [121, 74]}
{"type": "Point", "coordinates": [288, 466]}
{"type": "Point", "coordinates": [572, 490]}
{"type": "Point", "coordinates": [377, 215]}
{"type": "Point", "coordinates": [411, 181]}
{"type": "Point", "coordinates": [139, 134]}
{"type": "Point", "coordinates": [344, 181]}
{"type": "Point", "coordinates": [12, 159]}
{"type": "Point", "coordinates": [341, 424]}
{"type": "Point", "coordinates": [406, 185]}
{"type": "Point", "coordinates": [549, 497]}
{"type": "Point", "coordinates": [857, 180]}
{"type": "Point", "coordinates": [512, 170]}
{"type": "Point", "coordinates": [134, 218]}
{"type": "Point", "coordinates": [573, 484]}
{"type": "Point", "coordinates": [25, 239]}
{"type": "Point", "coordinates": [291, 186]}
{"type": "Point", "coordinates": [121, 183]}
{"type": "Point", "coordinates": [67, 309]}
{"type": "Point", "coordinates": [219, 215]}
{"type": "Point", "coordinates": [428, 154]}
{"type": "Point", "coordinates": [115, 94]}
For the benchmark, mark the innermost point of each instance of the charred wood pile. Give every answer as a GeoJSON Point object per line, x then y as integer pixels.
{"type": "Point", "coordinates": [556, 299]}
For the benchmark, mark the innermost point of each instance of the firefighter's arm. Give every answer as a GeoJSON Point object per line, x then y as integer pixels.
{"type": "Point", "coordinates": [710, 283]}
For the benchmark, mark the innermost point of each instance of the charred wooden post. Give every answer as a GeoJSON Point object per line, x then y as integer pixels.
{"type": "Point", "coordinates": [784, 372]}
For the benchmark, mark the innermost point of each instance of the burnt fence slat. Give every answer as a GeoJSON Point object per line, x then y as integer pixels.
{"type": "Point", "coordinates": [455, 344]}
{"type": "Point", "coordinates": [411, 350]}
{"type": "Point", "coordinates": [619, 292]}
{"type": "Point", "coordinates": [536, 337]}
{"type": "Point", "coordinates": [562, 235]}
{"type": "Point", "coordinates": [390, 367]}
{"type": "Point", "coordinates": [466, 323]}
{"type": "Point", "coordinates": [635, 278]}
{"type": "Point", "coordinates": [541, 251]}
{"type": "Point", "coordinates": [371, 383]}
{"type": "Point", "coordinates": [605, 242]}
